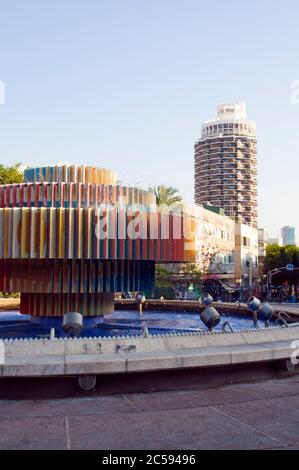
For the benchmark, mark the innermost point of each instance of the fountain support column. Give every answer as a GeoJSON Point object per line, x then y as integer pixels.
{"type": "Point", "coordinates": [57, 304]}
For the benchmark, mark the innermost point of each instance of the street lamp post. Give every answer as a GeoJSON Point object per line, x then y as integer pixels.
{"type": "Point", "coordinates": [250, 276]}
{"type": "Point", "coordinates": [244, 277]}
{"type": "Point", "coordinates": [263, 281]}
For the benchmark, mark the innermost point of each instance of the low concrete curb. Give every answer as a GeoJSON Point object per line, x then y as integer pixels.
{"type": "Point", "coordinates": [85, 356]}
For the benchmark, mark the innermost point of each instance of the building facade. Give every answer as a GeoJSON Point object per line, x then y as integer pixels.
{"type": "Point", "coordinates": [215, 243]}
{"type": "Point", "coordinates": [246, 246]}
{"type": "Point", "coordinates": [288, 235]}
{"type": "Point", "coordinates": [225, 164]}
{"type": "Point", "coordinates": [226, 248]}
{"type": "Point", "coordinates": [263, 241]}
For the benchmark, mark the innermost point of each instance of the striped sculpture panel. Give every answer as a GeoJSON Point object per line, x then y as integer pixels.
{"type": "Point", "coordinates": [72, 195]}
{"type": "Point", "coordinates": [47, 305]}
{"type": "Point", "coordinates": [75, 276]}
{"type": "Point", "coordinates": [70, 173]}
{"type": "Point", "coordinates": [74, 234]}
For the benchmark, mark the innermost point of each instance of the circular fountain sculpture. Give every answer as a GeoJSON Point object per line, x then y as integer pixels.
{"type": "Point", "coordinates": [253, 303]}
{"type": "Point", "coordinates": [207, 299]}
{"type": "Point", "coordinates": [71, 236]}
{"type": "Point", "coordinates": [210, 317]}
{"type": "Point", "coordinates": [73, 323]}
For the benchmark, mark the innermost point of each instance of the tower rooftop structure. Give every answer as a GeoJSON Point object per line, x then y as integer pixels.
{"type": "Point", "coordinates": [234, 115]}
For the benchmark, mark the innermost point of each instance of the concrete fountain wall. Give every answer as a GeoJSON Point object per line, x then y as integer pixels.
{"type": "Point", "coordinates": [83, 356]}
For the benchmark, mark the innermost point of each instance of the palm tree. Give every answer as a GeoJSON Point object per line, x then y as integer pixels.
{"type": "Point", "coordinates": [11, 174]}
{"type": "Point", "coordinates": [166, 195]}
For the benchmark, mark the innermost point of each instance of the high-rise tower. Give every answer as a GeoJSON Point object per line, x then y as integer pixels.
{"type": "Point", "coordinates": [225, 164]}
{"type": "Point", "coordinates": [288, 235]}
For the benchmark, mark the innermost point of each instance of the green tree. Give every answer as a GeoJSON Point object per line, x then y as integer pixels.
{"type": "Point", "coordinates": [166, 195]}
{"type": "Point", "coordinates": [169, 279]}
{"type": "Point", "coordinates": [163, 277]}
{"type": "Point", "coordinates": [11, 174]}
{"type": "Point", "coordinates": [174, 275]}
{"type": "Point", "coordinates": [279, 256]}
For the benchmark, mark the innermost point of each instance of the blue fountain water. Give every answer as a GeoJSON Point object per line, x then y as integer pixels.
{"type": "Point", "coordinates": [120, 323]}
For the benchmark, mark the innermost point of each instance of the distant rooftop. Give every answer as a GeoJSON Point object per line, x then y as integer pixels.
{"type": "Point", "coordinates": [216, 209]}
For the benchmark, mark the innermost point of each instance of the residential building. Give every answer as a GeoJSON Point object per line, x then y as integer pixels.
{"type": "Point", "coordinates": [226, 248]}
{"type": "Point", "coordinates": [263, 241]}
{"type": "Point", "coordinates": [246, 247]}
{"type": "Point", "coordinates": [225, 164]}
{"type": "Point", "coordinates": [215, 248]}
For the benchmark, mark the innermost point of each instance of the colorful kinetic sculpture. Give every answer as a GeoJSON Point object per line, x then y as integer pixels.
{"type": "Point", "coordinates": [70, 237]}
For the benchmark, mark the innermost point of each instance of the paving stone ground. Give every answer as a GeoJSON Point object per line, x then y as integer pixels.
{"type": "Point", "coordinates": [260, 415]}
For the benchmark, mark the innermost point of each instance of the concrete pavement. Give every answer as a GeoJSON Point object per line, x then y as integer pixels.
{"type": "Point", "coordinates": [261, 415]}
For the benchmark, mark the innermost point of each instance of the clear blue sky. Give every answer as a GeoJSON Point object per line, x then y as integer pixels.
{"type": "Point", "coordinates": [125, 84]}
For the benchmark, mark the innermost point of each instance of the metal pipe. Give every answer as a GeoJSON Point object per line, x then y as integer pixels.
{"type": "Point", "coordinates": [144, 331]}
{"type": "Point", "coordinates": [227, 324]}
{"type": "Point", "coordinates": [140, 311]}
{"type": "Point", "coordinates": [140, 299]}
{"type": "Point", "coordinates": [282, 320]}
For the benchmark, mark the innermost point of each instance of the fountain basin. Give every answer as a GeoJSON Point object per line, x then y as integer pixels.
{"type": "Point", "coordinates": [112, 345]}
{"type": "Point", "coordinates": [118, 324]}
